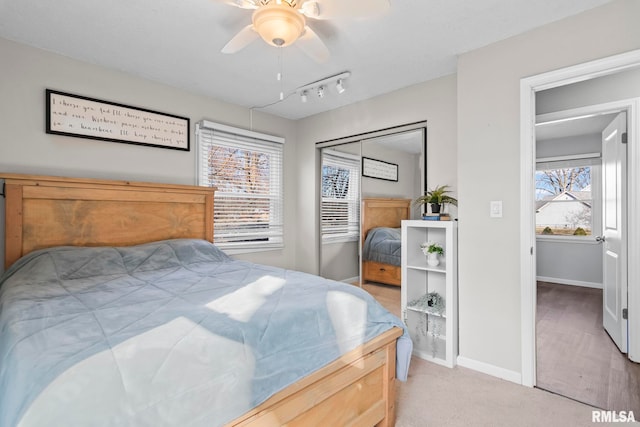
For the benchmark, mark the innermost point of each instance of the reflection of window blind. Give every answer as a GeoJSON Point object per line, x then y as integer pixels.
{"type": "Point", "coordinates": [340, 216]}
{"type": "Point", "coordinates": [246, 167]}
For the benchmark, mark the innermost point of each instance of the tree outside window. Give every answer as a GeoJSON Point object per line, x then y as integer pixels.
{"type": "Point", "coordinates": [564, 201]}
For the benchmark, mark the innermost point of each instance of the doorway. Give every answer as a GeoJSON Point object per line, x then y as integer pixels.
{"type": "Point", "coordinates": [575, 356]}
{"type": "Point", "coordinates": [529, 87]}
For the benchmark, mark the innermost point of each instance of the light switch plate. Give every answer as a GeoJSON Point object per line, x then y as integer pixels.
{"type": "Point", "coordinates": [495, 209]}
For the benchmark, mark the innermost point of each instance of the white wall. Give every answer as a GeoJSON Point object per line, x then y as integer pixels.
{"type": "Point", "coordinates": [569, 263]}
{"type": "Point", "coordinates": [489, 169]}
{"type": "Point", "coordinates": [434, 101]}
{"type": "Point", "coordinates": [26, 148]}
{"type": "Point", "coordinates": [405, 187]}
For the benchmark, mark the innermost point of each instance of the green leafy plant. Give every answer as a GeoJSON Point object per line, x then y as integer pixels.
{"type": "Point", "coordinates": [438, 195]}
{"type": "Point", "coordinates": [547, 230]}
{"type": "Point", "coordinates": [431, 247]}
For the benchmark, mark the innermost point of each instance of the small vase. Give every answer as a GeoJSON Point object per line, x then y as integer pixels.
{"type": "Point", "coordinates": [432, 259]}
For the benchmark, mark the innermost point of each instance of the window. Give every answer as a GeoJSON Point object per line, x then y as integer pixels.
{"type": "Point", "coordinates": [566, 197]}
{"type": "Point", "coordinates": [246, 168]}
{"type": "Point", "coordinates": [340, 216]}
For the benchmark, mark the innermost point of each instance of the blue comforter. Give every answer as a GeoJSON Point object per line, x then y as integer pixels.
{"type": "Point", "coordinates": [382, 244]}
{"type": "Point", "coordinates": [166, 333]}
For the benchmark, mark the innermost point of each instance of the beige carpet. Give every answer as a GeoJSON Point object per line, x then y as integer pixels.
{"type": "Point", "coordinates": [435, 396]}
{"type": "Point", "coordinates": [438, 396]}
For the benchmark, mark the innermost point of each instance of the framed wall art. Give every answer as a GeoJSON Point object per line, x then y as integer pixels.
{"type": "Point", "coordinates": [83, 117]}
{"type": "Point", "coordinates": [379, 169]}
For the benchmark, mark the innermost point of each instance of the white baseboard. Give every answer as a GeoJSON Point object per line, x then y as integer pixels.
{"type": "Point", "coordinates": [351, 280]}
{"type": "Point", "coordinates": [569, 282]}
{"type": "Point", "coordinates": [485, 368]}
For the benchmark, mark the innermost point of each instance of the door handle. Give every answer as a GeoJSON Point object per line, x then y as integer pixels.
{"type": "Point", "coordinates": [600, 239]}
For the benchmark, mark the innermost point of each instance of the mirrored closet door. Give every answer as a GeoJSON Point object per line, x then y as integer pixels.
{"type": "Point", "coordinates": [389, 165]}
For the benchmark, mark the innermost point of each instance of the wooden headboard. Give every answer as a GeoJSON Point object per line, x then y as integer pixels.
{"type": "Point", "coordinates": [45, 211]}
{"type": "Point", "coordinates": [383, 212]}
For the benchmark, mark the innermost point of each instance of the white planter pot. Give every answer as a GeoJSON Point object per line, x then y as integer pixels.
{"type": "Point", "coordinates": [433, 259]}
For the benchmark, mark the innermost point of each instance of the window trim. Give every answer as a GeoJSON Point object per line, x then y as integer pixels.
{"type": "Point", "coordinates": [594, 161]}
{"type": "Point", "coordinates": [210, 126]}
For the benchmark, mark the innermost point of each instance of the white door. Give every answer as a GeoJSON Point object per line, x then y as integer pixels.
{"type": "Point", "coordinates": [614, 297]}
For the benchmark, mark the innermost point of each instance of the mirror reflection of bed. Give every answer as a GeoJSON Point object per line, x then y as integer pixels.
{"type": "Point", "coordinates": [381, 220]}
{"type": "Point", "coordinates": [381, 245]}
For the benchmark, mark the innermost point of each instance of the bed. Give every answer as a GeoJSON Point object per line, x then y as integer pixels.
{"type": "Point", "coordinates": [117, 309]}
{"type": "Point", "coordinates": [380, 225]}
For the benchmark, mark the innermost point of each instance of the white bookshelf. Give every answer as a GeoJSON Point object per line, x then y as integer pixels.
{"type": "Point", "coordinates": [434, 333]}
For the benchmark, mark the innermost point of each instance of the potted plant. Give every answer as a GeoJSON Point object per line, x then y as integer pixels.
{"type": "Point", "coordinates": [436, 198]}
{"type": "Point", "coordinates": [432, 250]}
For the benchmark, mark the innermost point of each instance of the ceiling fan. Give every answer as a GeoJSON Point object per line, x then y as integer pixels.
{"type": "Point", "coordinates": [280, 23]}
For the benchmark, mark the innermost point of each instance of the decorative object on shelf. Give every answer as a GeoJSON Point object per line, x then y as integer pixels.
{"type": "Point", "coordinates": [436, 198]}
{"type": "Point", "coordinates": [432, 250]}
{"type": "Point", "coordinates": [429, 303]}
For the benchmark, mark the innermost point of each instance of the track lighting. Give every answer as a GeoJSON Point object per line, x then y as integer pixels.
{"type": "Point", "coordinates": [320, 86]}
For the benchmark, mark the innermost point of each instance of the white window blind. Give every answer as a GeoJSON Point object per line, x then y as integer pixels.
{"type": "Point", "coordinates": [340, 210]}
{"type": "Point", "coordinates": [247, 168]}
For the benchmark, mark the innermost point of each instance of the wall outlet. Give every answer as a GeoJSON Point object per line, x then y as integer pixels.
{"type": "Point", "coordinates": [495, 209]}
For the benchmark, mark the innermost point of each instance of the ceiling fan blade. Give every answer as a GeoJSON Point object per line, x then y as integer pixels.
{"type": "Point", "coordinates": [312, 45]}
{"type": "Point", "coordinates": [242, 4]}
{"type": "Point", "coordinates": [330, 9]}
{"type": "Point", "coordinates": [241, 40]}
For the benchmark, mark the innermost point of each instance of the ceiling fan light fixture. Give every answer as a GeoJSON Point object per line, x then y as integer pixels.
{"type": "Point", "coordinates": [303, 96]}
{"type": "Point", "coordinates": [340, 86]}
{"type": "Point", "coordinates": [320, 91]}
{"type": "Point", "coordinates": [278, 24]}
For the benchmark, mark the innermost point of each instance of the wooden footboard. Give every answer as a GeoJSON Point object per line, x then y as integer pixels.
{"type": "Point", "coordinates": [356, 390]}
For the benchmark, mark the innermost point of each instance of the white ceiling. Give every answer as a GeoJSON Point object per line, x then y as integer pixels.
{"type": "Point", "coordinates": [582, 125]}
{"type": "Point", "coordinates": [178, 42]}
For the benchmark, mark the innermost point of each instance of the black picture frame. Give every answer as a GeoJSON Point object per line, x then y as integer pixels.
{"type": "Point", "coordinates": [379, 169]}
{"type": "Point", "coordinates": [83, 117]}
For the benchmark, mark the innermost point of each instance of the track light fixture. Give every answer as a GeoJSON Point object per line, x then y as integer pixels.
{"type": "Point", "coordinates": [320, 86]}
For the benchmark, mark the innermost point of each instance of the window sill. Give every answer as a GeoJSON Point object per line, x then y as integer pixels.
{"type": "Point", "coordinates": [338, 240]}
{"type": "Point", "coordinates": [241, 251]}
{"type": "Point", "coordinates": [586, 240]}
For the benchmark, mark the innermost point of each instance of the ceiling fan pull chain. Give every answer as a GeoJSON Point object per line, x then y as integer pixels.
{"type": "Point", "coordinates": [280, 79]}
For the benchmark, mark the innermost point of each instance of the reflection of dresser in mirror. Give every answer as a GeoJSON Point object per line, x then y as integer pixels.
{"type": "Point", "coordinates": [380, 224]}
